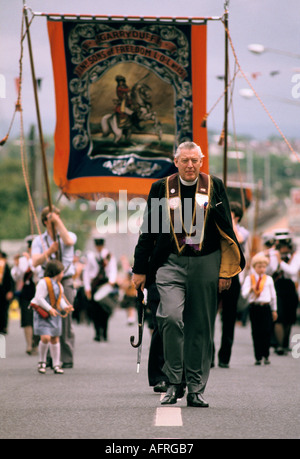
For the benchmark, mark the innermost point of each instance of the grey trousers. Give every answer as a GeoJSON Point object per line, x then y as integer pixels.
{"type": "Point", "coordinates": [188, 289]}
{"type": "Point", "coordinates": [67, 337]}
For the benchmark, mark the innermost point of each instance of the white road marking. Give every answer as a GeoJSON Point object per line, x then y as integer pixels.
{"type": "Point", "coordinates": [168, 416]}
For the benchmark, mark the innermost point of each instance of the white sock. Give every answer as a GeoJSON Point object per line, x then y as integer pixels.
{"type": "Point", "coordinates": [55, 354]}
{"type": "Point", "coordinates": [43, 349]}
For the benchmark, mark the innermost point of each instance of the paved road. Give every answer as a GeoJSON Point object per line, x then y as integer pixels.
{"type": "Point", "coordinates": [103, 397]}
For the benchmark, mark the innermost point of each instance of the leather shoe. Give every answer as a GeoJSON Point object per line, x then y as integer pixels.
{"type": "Point", "coordinates": [196, 400]}
{"type": "Point", "coordinates": [223, 365]}
{"type": "Point", "coordinates": [67, 365]}
{"type": "Point", "coordinates": [181, 390]}
{"type": "Point", "coordinates": [161, 386]}
{"type": "Point", "coordinates": [172, 394]}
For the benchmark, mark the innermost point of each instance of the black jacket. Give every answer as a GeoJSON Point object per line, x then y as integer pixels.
{"type": "Point", "coordinates": [154, 247]}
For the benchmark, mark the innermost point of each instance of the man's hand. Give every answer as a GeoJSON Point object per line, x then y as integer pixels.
{"type": "Point", "coordinates": [9, 296]}
{"type": "Point", "coordinates": [139, 280]}
{"type": "Point", "coordinates": [53, 248]}
{"type": "Point", "coordinates": [69, 309]}
{"type": "Point", "coordinates": [53, 218]}
{"type": "Point", "coordinates": [88, 294]}
{"type": "Point", "coordinates": [224, 284]}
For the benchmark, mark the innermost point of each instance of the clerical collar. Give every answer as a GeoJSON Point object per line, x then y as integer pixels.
{"type": "Point", "coordinates": [184, 182]}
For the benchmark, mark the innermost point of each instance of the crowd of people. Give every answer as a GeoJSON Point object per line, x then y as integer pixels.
{"type": "Point", "coordinates": [56, 285]}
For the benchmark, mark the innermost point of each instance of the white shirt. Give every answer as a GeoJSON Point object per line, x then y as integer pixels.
{"type": "Point", "coordinates": [267, 296]}
{"type": "Point", "coordinates": [273, 263]}
{"type": "Point", "coordinates": [292, 268]}
{"type": "Point", "coordinates": [41, 294]}
{"type": "Point", "coordinates": [41, 243]}
{"type": "Point", "coordinates": [92, 268]}
{"type": "Point", "coordinates": [18, 271]}
{"type": "Point", "coordinates": [245, 234]}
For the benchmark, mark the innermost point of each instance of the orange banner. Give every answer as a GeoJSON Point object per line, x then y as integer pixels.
{"type": "Point", "coordinates": [127, 93]}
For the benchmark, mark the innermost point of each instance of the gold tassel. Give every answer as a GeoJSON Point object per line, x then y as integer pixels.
{"type": "Point", "coordinates": [3, 141]}
{"type": "Point", "coordinates": [221, 139]}
{"type": "Point", "coordinates": [18, 106]}
{"type": "Point", "coordinates": [203, 124]}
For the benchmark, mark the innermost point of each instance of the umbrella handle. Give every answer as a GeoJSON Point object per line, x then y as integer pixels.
{"type": "Point", "coordinates": [140, 298]}
{"type": "Point", "coordinates": [139, 339]}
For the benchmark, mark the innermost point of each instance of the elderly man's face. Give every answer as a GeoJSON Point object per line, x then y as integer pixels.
{"type": "Point", "coordinates": [188, 164]}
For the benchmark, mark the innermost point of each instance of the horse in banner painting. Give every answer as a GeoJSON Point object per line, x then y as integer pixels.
{"type": "Point", "coordinates": [132, 118]}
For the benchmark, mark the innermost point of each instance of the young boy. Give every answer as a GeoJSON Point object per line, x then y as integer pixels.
{"type": "Point", "coordinates": [258, 288]}
{"type": "Point", "coordinates": [49, 296]}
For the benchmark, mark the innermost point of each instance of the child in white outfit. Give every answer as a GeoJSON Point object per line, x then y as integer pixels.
{"type": "Point", "coordinates": [258, 288]}
{"type": "Point", "coordinates": [49, 296]}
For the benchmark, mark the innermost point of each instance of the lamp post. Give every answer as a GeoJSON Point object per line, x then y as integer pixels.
{"type": "Point", "coordinates": [257, 48]}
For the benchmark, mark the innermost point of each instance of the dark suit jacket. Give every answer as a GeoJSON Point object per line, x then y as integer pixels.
{"type": "Point", "coordinates": [7, 284]}
{"type": "Point", "coordinates": [154, 247]}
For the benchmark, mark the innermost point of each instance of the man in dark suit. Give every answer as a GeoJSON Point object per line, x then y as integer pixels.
{"type": "Point", "coordinates": [6, 292]}
{"type": "Point", "coordinates": [188, 246]}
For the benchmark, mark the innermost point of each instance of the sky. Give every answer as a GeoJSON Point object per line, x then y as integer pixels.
{"type": "Point", "coordinates": [275, 76]}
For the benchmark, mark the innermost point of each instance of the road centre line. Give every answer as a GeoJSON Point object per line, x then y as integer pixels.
{"type": "Point", "coordinates": [168, 416]}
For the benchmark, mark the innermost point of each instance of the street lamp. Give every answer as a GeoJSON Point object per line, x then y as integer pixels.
{"type": "Point", "coordinates": [247, 93]}
{"type": "Point", "coordinates": [257, 48]}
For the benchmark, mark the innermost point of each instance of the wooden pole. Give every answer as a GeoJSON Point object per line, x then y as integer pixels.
{"type": "Point", "coordinates": [255, 246]}
{"type": "Point", "coordinates": [225, 98]}
{"type": "Point", "coordinates": [41, 137]}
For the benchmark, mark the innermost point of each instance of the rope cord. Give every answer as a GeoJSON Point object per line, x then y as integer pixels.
{"type": "Point", "coordinates": [18, 106]}
{"type": "Point", "coordinates": [256, 95]}
{"type": "Point", "coordinates": [32, 212]}
{"type": "Point", "coordinates": [203, 124]}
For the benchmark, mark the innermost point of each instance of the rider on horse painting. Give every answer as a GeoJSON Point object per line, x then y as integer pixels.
{"type": "Point", "coordinates": [124, 101]}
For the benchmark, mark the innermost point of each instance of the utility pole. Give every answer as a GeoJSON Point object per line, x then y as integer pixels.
{"type": "Point", "coordinates": [226, 95]}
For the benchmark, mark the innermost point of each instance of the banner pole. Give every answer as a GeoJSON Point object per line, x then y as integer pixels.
{"type": "Point", "coordinates": [44, 160]}
{"type": "Point", "coordinates": [226, 96]}
{"type": "Point", "coordinates": [41, 137]}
